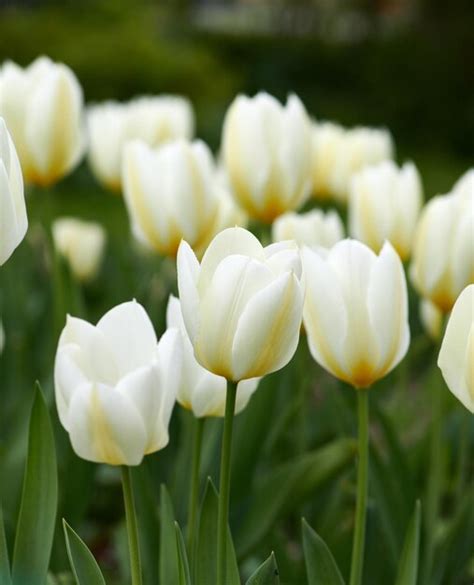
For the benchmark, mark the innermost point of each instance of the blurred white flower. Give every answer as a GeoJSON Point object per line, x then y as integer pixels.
{"type": "Point", "coordinates": [43, 107]}
{"type": "Point", "coordinates": [384, 204]}
{"type": "Point", "coordinates": [314, 228]}
{"type": "Point", "coordinates": [431, 319]}
{"type": "Point", "coordinates": [116, 385]}
{"type": "Point", "coordinates": [267, 154]}
{"type": "Point", "coordinates": [154, 120]}
{"type": "Point", "coordinates": [81, 243]}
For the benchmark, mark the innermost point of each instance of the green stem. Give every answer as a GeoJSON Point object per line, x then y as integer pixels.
{"type": "Point", "coordinates": [463, 457]}
{"type": "Point", "coordinates": [194, 492]}
{"type": "Point", "coordinates": [224, 483]}
{"type": "Point", "coordinates": [358, 546]}
{"type": "Point", "coordinates": [132, 529]}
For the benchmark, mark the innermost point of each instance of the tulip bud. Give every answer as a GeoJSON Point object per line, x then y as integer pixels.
{"type": "Point", "coordinates": [443, 251]}
{"type": "Point", "coordinates": [13, 219]}
{"type": "Point", "coordinates": [201, 391]}
{"type": "Point", "coordinates": [384, 204]}
{"type": "Point", "coordinates": [456, 358]}
{"type": "Point", "coordinates": [314, 228]}
{"type": "Point", "coordinates": [81, 243]}
{"type": "Point", "coordinates": [242, 306]}
{"type": "Point", "coordinates": [327, 140]}
{"type": "Point", "coordinates": [356, 310]}
{"type": "Point", "coordinates": [43, 105]}
{"type": "Point", "coordinates": [154, 120]}
{"type": "Point", "coordinates": [116, 386]}
{"type": "Point", "coordinates": [267, 153]}
{"type": "Point", "coordinates": [431, 319]}
{"type": "Point", "coordinates": [170, 193]}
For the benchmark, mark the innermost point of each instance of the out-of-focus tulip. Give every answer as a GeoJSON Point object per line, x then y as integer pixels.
{"type": "Point", "coordinates": [116, 385]}
{"type": "Point", "coordinates": [13, 219]}
{"type": "Point", "coordinates": [314, 228]}
{"type": "Point", "coordinates": [81, 243]}
{"type": "Point", "coordinates": [42, 106]}
{"type": "Point", "coordinates": [456, 358]}
{"type": "Point", "coordinates": [170, 193]}
{"type": "Point", "coordinates": [267, 154]}
{"type": "Point", "coordinates": [154, 120]}
{"type": "Point", "coordinates": [443, 251]}
{"type": "Point", "coordinates": [338, 153]}
{"type": "Point", "coordinates": [201, 391]}
{"type": "Point", "coordinates": [356, 310]}
{"type": "Point", "coordinates": [242, 306]}
{"type": "Point", "coordinates": [384, 204]}
{"type": "Point", "coordinates": [431, 319]}
{"type": "Point", "coordinates": [465, 184]}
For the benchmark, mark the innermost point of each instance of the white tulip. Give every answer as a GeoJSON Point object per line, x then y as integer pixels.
{"type": "Point", "coordinates": [356, 310]}
{"type": "Point", "coordinates": [13, 219]}
{"type": "Point", "coordinates": [242, 306]}
{"type": "Point", "coordinates": [338, 153]}
{"type": "Point", "coordinates": [116, 385]}
{"type": "Point", "coordinates": [384, 204]}
{"type": "Point", "coordinates": [314, 228]}
{"type": "Point", "coordinates": [201, 391]}
{"type": "Point", "coordinates": [465, 184]}
{"type": "Point", "coordinates": [443, 251]}
{"type": "Point", "coordinates": [42, 105]}
{"type": "Point", "coordinates": [267, 154]}
{"type": "Point", "coordinates": [111, 125]}
{"type": "Point", "coordinates": [456, 358]}
{"type": "Point", "coordinates": [431, 318]}
{"type": "Point", "coordinates": [81, 243]}
{"type": "Point", "coordinates": [170, 193]}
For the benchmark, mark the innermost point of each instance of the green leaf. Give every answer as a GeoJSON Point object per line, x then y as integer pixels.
{"type": "Point", "coordinates": [288, 486]}
{"type": "Point", "coordinates": [205, 565]}
{"type": "Point", "coordinates": [266, 574]}
{"type": "Point", "coordinates": [320, 564]}
{"type": "Point", "coordinates": [5, 577]}
{"type": "Point", "coordinates": [408, 567]}
{"type": "Point", "coordinates": [169, 561]}
{"type": "Point", "coordinates": [83, 565]}
{"type": "Point", "coordinates": [35, 528]}
{"type": "Point", "coordinates": [183, 564]}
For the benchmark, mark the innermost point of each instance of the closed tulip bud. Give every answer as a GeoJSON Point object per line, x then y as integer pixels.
{"type": "Point", "coordinates": [42, 104]}
{"type": "Point", "coordinates": [13, 219]}
{"type": "Point", "coordinates": [443, 251]}
{"type": "Point", "coordinates": [154, 120]}
{"type": "Point", "coordinates": [170, 193]}
{"type": "Point", "coordinates": [456, 358]}
{"type": "Point", "coordinates": [242, 305]}
{"type": "Point", "coordinates": [81, 243]}
{"type": "Point", "coordinates": [201, 391]}
{"type": "Point", "coordinates": [116, 385]}
{"type": "Point", "coordinates": [267, 154]}
{"type": "Point", "coordinates": [356, 310]}
{"type": "Point", "coordinates": [431, 319]}
{"type": "Point", "coordinates": [384, 204]}
{"type": "Point", "coordinates": [314, 228]}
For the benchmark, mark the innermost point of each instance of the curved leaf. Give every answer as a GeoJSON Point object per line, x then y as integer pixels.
{"type": "Point", "coordinates": [5, 577]}
{"type": "Point", "coordinates": [320, 564]}
{"type": "Point", "coordinates": [169, 572]}
{"type": "Point", "coordinates": [83, 564]}
{"type": "Point", "coordinates": [266, 574]}
{"type": "Point", "coordinates": [183, 564]}
{"type": "Point", "coordinates": [408, 567]}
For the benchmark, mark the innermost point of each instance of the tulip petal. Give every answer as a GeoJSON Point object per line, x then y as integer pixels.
{"type": "Point", "coordinates": [188, 270]}
{"type": "Point", "coordinates": [68, 376]}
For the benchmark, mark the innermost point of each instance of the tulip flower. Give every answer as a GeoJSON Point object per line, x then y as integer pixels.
{"type": "Point", "coordinates": [267, 154]}
{"type": "Point", "coordinates": [384, 204]}
{"type": "Point", "coordinates": [443, 252]}
{"type": "Point", "coordinates": [456, 357]}
{"type": "Point", "coordinates": [431, 318]}
{"type": "Point", "coordinates": [338, 153]}
{"type": "Point", "coordinates": [170, 193]}
{"type": "Point", "coordinates": [13, 219]}
{"type": "Point", "coordinates": [116, 385]}
{"type": "Point", "coordinates": [154, 120]}
{"type": "Point", "coordinates": [314, 228]}
{"type": "Point", "coordinates": [81, 243]}
{"type": "Point", "coordinates": [42, 105]}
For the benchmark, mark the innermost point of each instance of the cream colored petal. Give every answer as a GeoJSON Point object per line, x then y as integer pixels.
{"type": "Point", "coordinates": [188, 270]}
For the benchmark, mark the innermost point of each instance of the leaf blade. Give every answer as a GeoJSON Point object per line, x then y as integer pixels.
{"type": "Point", "coordinates": [321, 567]}
{"type": "Point", "coordinates": [83, 564]}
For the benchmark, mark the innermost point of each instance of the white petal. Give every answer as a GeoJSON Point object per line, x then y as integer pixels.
{"type": "Point", "coordinates": [188, 273]}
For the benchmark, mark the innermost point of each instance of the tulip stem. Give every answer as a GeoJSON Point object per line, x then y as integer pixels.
{"type": "Point", "coordinates": [132, 529]}
{"type": "Point", "coordinates": [224, 483]}
{"type": "Point", "coordinates": [358, 545]}
{"type": "Point", "coordinates": [194, 492]}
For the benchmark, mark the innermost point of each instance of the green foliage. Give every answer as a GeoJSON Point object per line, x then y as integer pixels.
{"type": "Point", "coordinates": [320, 564]}
{"type": "Point", "coordinates": [408, 567]}
{"type": "Point", "coordinates": [84, 566]}
{"type": "Point", "coordinates": [266, 574]}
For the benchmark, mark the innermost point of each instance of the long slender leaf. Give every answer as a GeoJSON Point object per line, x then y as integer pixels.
{"type": "Point", "coordinates": [169, 562]}
{"type": "Point", "coordinates": [266, 574]}
{"type": "Point", "coordinates": [35, 529]}
{"type": "Point", "coordinates": [5, 576]}
{"type": "Point", "coordinates": [184, 572]}
{"type": "Point", "coordinates": [408, 567]}
{"type": "Point", "coordinates": [321, 567]}
{"type": "Point", "coordinates": [83, 564]}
